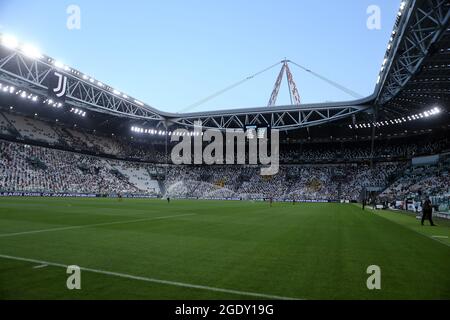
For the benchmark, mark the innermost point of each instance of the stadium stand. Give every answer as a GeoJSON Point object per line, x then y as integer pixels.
{"type": "Point", "coordinates": [33, 129]}
{"type": "Point", "coordinates": [59, 171]}
{"type": "Point", "coordinates": [91, 162]}
{"type": "Point", "coordinates": [420, 181]}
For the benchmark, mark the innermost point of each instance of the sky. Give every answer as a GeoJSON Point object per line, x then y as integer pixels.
{"type": "Point", "coordinates": [172, 53]}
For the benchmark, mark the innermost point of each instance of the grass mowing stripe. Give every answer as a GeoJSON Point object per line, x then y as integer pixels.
{"type": "Point", "coordinates": [435, 238]}
{"type": "Point", "coordinates": [92, 225]}
{"type": "Point", "coordinates": [311, 251]}
{"type": "Point", "coordinates": [159, 281]}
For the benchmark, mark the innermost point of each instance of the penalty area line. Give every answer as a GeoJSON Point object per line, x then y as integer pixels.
{"type": "Point", "coordinates": [153, 280]}
{"type": "Point", "coordinates": [93, 225]}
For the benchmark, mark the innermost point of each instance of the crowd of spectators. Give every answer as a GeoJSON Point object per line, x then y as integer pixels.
{"type": "Point", "coordinates": [87, 162]}
{"type": "Point", "coordinates": [31, 168]}
{"type": "Point", "coordinates": [301, 182]}
{"type": "Point", "coordinates": [40, 169]}
{"type": "Point", "coordinates": [138, 149]}
{"type": "Point", "coordinates": [419, 182]}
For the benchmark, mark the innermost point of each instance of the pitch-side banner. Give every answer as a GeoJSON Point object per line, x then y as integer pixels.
{"type": "Point", "coordinates": [71, 195]}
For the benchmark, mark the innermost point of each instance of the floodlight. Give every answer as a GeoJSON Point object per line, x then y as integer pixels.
{"type": "Point", "coordinates": [10, 41]}
{"type": "Point", "coordinates": [31, 51]}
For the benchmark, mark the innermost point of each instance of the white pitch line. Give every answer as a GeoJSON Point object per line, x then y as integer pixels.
{"type": "Point", "coordinates": [93, 225]}
{"type": "Point", "coordinates": [153, 280]}
{"type": "Point", "coordinates": [440, 237]}
{"type": "Point", "coordinates": [40, 266]}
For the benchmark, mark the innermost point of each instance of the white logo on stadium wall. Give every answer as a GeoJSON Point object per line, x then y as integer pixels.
{"type": "Point", "coordinates": [61, 87]}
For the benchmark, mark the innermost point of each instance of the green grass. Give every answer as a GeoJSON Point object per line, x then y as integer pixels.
{"type": "Point", "coordinates": [306, 251]}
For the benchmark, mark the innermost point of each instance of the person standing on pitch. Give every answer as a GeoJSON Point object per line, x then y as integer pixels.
{"type": "Point", "coordinates": [427, 212]}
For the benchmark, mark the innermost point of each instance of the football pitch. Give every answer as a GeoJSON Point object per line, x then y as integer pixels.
{"type": "Point", "coordinates": [149, 249]}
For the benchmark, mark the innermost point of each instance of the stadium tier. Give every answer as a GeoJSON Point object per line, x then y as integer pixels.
{"type": "Point", "coordinates": [37, 156]}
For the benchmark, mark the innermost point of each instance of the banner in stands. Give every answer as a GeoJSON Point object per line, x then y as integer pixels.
{"type": "Point", "coordinates": [421, 161]}
{"type": "Point", "coordinates": [146, 196]}
{"type": "Point", "coordinates": [72, 195]}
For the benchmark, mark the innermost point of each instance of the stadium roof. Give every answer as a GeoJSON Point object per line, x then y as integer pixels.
{"type": "Point", "coordinates": [414, 77]}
